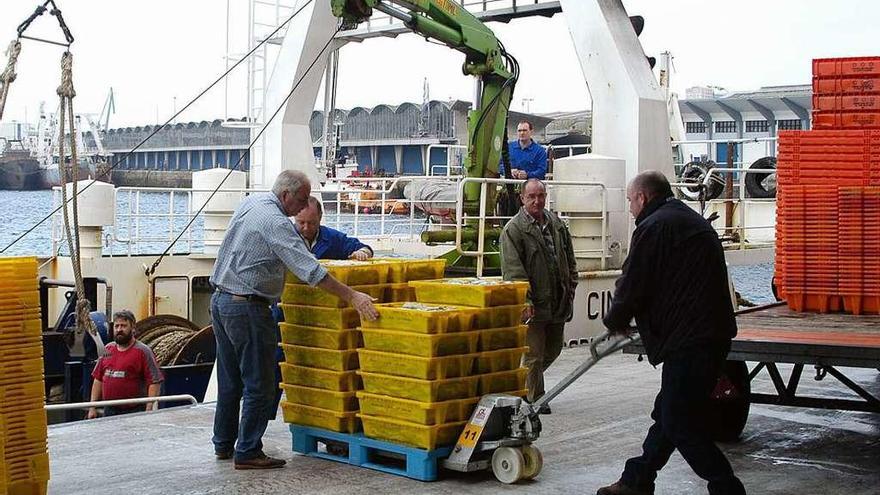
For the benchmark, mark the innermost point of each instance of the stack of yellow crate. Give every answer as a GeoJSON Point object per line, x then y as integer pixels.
{"type": "Point", "coordinates": [404, 270]}
{"type": "Point", "coordinates": [22, 417]}
{"type": "Point", "coordinates": [320, 340]}
{"type": "Point", "coordinates": [425, 365]}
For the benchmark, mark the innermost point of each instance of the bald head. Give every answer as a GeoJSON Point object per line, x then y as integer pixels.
{"type": "Point", "coordinates": [645, 187]}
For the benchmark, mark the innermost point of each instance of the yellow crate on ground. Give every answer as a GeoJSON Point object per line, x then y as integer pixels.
{"type": "Point", "coordinates": [496, 383]}
{"type": "Point", "coordinates": [325, 399]}
{"type": "Point", "coordinates": [412, 434]}
{"type": "Point", "coordinates": [419, 344]}
{"type": "Point", "coordinates": [422, 318]}
{"type": "Point", "coordinates": [324, 338]}
{"type": "Point", "coordinates": [401, 292]}
{"type": "Point", "coordinates": [471, 291]}
{"type": "Point", "coordinates": [24, 428]}
{"type": "Point", "coordinates": [20, 330]}
{"type": "Point", "coordinates": [423, 413]}
{"type": "Point", "coordinates": [2, 466]}
{"type": "Point", "coordinates": [500, 360]}
{"type": "Point", "coordinates": [339, 381]}
{"type": "Point", "coordinates": [32, 390]}
{"type": "Point", "coordinates": [409, 269]}
{"type": "Point", "coordinates": [433, 368]}
{"type": "Point", "coordinates": [305, 295]}
{"type": "Point", "coordinates": [27, 475]}
{"type": "Point", "coordinates": [343, 422]}
{"type": "Point", "coordinates": [326, 359]}
{"type": "Point", "coordinates": [493, 339]}
{"type": "Point", "coordinates": [21, 352]}
{"type": "Point", "coordinates": [352, 272]}
{"type": "Point", "coordinates": [314, 316]}
{"type": "Point", "coordinates": [420, 390]}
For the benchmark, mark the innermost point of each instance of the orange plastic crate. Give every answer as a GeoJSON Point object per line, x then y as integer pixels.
{"type": "Point", "coordinates": [835, 85]}
{"type": "Point", "coordinates": [846, 120]}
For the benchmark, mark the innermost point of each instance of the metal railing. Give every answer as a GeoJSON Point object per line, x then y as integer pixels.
{"type": "Point", "coordinates": [121, 402]}
{"type": "Point", "coordinates": [461, 219]}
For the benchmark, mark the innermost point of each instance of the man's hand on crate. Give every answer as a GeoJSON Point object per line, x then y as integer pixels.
{"type": "Point", "coordinates": [363, 303]}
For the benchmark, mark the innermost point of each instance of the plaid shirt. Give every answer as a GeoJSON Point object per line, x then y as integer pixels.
{"type": "Point", "coordinates": [259, 243]}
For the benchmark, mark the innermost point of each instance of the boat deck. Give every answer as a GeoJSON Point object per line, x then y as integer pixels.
{"type": "Point", "coordinates": [594, 427]}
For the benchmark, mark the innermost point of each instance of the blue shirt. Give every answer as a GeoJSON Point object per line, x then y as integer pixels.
{"type": "Point", "coordinates": [532, 159]}
{"type": "Point", "coordinates": [260, 242]}
{"type": "Point", "coordinates": [332, 244]}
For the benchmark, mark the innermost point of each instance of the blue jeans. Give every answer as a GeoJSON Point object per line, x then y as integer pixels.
{"type": "Point", "coordinates": [246, 342]}
{"type": "Point", "coordinates": [680, 423]}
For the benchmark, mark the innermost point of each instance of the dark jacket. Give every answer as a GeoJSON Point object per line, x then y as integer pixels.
{"type": "Point", "coordinates": [335, 245]}
{"type": "Point", "coordinates": [674, 283]}
{"type": "Point", "coordinates": [552, 276]}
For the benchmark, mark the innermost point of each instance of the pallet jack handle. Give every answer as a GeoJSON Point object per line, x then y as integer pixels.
{"type": "Point", "coordinates": [615, 342]}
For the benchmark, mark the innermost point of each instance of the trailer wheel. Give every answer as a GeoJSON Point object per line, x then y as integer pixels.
{"type": "Point", "coordinates": [762, 185]}
{"type": "Point", "coordinates": [729, 405]}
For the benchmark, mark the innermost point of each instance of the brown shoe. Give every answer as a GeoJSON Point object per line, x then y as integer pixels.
{"type": "Point", "coordinates": [261, 462]}
{"type": "Point", "coordinates": [223, 456]}
{"type": "Point", "coordinates": [618, 488]}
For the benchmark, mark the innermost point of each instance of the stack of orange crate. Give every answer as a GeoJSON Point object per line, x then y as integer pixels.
{"type": "Point", "coordinates": [828, 242]}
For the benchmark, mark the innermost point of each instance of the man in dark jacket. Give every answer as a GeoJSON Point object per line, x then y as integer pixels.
{"type": "Point", "coordinates": [536, 246]}
{"type": "Point", "coordinates": [326, 243]}
{"type": "Point", "coordinates": [674, 284]}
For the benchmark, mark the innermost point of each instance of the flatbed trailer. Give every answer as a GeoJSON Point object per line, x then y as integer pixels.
{"type": "Point", "coordinates": [773, 335]}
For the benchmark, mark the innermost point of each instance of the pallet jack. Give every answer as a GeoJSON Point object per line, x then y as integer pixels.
{"type": "Point", "coordinates": [502, 428]}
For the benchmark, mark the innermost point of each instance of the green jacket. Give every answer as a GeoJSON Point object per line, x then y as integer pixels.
{"type": "Point", "coordinates": [525, 256]}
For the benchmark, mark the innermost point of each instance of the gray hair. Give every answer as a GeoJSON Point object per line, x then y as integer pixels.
{"type": "Point", "coordinates": [534, 181]}
{"type": "Point", "coordinates": [653, 183]}
{"type": "Point", "coordinates": [290, 181]}
{"type": "Point", "coordinates": [125, 314]}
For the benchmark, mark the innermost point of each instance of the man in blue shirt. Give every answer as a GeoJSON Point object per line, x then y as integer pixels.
{"type": "Point", "coordinates": [326, 243]}
{"type": "Point", "coordinates": [528, 159]}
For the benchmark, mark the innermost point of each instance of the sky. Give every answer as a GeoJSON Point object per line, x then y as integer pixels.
{"type": "Point", "coordinates": [158, 54]}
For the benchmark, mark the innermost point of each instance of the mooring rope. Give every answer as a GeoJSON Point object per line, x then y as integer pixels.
{"type": "Point", "coordinates": [9, 74]}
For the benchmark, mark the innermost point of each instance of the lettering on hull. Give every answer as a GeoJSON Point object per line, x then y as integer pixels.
{"type": "Point", "coordinates": [598, 304]}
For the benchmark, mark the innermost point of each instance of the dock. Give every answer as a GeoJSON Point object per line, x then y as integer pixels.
{"type": "Point", "coordinates": [595, 426]}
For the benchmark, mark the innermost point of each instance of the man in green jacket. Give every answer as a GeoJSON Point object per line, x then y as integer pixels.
{"type": "Point", "coordinates": [536, 246]}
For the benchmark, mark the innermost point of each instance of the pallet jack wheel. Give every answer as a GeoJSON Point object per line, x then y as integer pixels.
{"type": "Point", "coordinates": [534, 461]}
{"type": "Point", "coordinates": [508, 464]}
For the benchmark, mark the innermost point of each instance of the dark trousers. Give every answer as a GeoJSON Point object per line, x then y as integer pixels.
{"type": "Point", "coordinates": [246, 341]}
{"type": "Point", "coordinates": [545, 344]}
{"type": "Point", "coordinates": [680, 423]}
{"type": "Point", "coordinates": [116, 410]}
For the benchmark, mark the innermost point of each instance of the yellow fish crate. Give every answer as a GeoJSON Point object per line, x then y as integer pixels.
{"type": "Point", "coordinates": [305, 295]}
{"type": "Point", "coordinates": [500, 360]}
{"type": "Point", "coordinates": [423, 413]}
{"type": "Point", "coordinates": [339, 381]}
{"type": "Point", "coordinates": [324, 399]}
{"type": "Point", "coordinates": [325, 338]}
{"type": "Point", "coordinates": [315, 316]}
{"type": "Point", "coordinates": [390, 363]}
{"type": "Point", "coordinates": [352, 272]}
{"type": "Point", "coordinates": [503, 381]}
{"type": "Point", "coordinates": [493, 339]}
{"type": "Point", "coordinates": [326, 359]}
{"type": "Point", "coordinates": [412, 434]}
{"type": "Point", "coordinates": [419, 344]}
{"type": "Point", "coordinates": [407, 270]}
{"type": "Point", "coordinates": [420, 390]}
{"type": "Point", "coordinates": [422, 318]}
{"type": "Point", "coordinates": [471, 291]}
{"type": "Point", "coordinates": [342, 422]}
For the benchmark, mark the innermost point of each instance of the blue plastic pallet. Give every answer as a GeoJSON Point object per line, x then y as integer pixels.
{"type": "Point", "coordinates": [362, 451]}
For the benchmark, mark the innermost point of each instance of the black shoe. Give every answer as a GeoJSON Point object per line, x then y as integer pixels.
{"type": "Point", "coordinates": [223, 456]}
{"type": "Point", "coordinates": [260, 462]}
{"type": "Point", "coordinates": [545, 409]}
{"type": "Point", "coordinates": [618, 488]}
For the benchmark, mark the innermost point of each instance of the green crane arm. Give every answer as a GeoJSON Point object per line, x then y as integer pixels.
{"type": "Point", "coordinates": [485, 57]}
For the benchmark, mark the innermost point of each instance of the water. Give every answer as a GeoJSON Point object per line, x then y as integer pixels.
{"type": "Point", "coordinates": [20, 210]}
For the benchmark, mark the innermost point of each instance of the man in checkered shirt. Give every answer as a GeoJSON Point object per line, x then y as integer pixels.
{"type": "Point", "coordinates": [261, 244]}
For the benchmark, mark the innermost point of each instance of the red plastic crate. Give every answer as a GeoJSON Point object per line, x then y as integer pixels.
{"type": "Point", "coordinates": [846, 120]}
{"type": "Point", "coordinates": [846, 66]}
{"type": "Point", "coordinates": [846, 103]}
{"type": "Point", "coordinates": [833, 85]}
